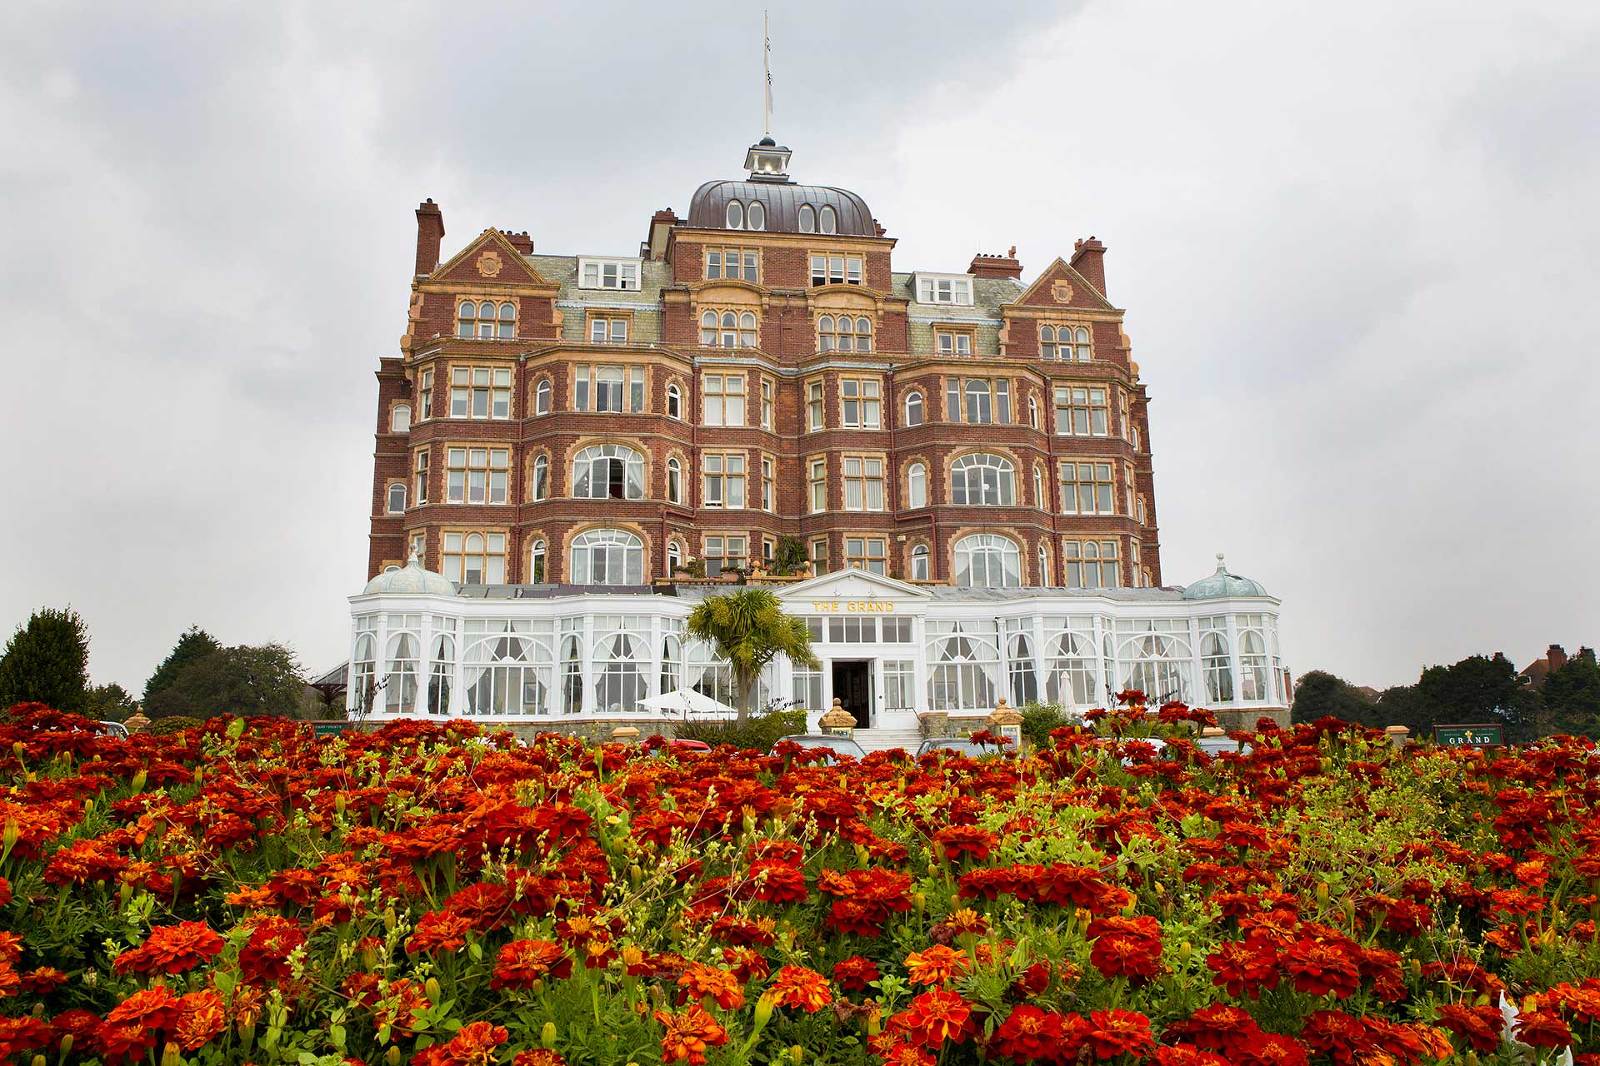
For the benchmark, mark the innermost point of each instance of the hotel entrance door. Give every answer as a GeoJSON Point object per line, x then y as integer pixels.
{"type": "Point", "coordinates": [852, 687]}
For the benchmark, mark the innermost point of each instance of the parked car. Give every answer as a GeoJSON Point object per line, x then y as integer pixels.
{"type": "Point", "coordinates": [680, 746]}
{"type": "Point", "coordinates": [956, 746]}
{"type": "Point", "coordinates": [833, 745]}
{"type": "Point", "coordinates": [113, 729]}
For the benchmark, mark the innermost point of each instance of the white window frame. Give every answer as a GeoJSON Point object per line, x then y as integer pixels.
{"type": "Point", "coordinates": [625, 273]}
{"type": "Point", "coordinates": [953, 290]}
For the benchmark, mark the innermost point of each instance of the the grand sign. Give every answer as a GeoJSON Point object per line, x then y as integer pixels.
{"type": "Point", "coordinates": [853, 606]}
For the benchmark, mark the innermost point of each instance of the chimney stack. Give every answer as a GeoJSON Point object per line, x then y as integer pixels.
{"type": "Point", "coordinates": [1088, 259]}
{"type": "Point", "coordinates": [430, 235]}
{"type": "Point", "coordinates": [996, 266]}
{"type": "Point", "coordinates": [1556, 656]}
{"type": "Point", "coordinates": [520, 241]}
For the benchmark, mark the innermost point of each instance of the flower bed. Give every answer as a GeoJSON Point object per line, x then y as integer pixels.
{"type": "Point", "coordinates": [434, 894]}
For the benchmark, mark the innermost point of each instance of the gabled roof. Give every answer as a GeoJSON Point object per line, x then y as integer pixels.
{"type": "Point", "coordinates": [1041, 293]}
{"type": "Point", "coordinates": [852, 583]}
{"type": "Point", "coordinates": [513, 268]}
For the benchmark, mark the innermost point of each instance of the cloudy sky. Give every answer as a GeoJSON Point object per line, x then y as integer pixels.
{"type": "Point", "coordinates": [1357, 243]}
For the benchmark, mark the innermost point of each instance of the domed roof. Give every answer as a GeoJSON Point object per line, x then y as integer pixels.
{"type": "Point", "coordinates": [410, 580]}
{"type": "Point", "coordinates": [1223, 585]}
{"type": "Point", "coordinates": [708, 208]}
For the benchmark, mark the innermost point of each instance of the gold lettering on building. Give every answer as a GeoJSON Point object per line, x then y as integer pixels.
{"type": "Point", "coordinates": [852, 606]}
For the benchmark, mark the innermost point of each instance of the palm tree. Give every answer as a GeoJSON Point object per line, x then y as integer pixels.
{"type": "Point", "coordinates": [749, 629]}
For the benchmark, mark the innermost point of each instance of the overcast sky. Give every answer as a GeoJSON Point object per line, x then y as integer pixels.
{"type": "Point", "coordinates": [1357, 244]}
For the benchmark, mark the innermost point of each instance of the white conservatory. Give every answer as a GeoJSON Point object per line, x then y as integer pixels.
{"type": "Point", "coordinates": [902, 658]}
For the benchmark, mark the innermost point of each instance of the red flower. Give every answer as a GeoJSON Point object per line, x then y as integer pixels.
{"type": "Point", "coordinates": [1032, 1035]}
{"type": "Point", "coordinates": [689, 1034]}
{"type": "Point", "coordinates": [699, 981]}
{"type": "Point", "coordinates": [1119, 1032]}
{"type": "Point", "coordinates": [265, 957]}
{"type": "Point", "coordinates": [1543, 1028]}
{"type": "Point", "coordinates": [439, 931]}
{"type": "Point", "coordinates": [172, 949]}
{"type": "Point", "coordinates": [1322, 967]}
{"type": "Point", "coordinates": [200, 1019]}
{"type": "Point", "coordinates": [1244, 967]}
{"type": "Point", "coordinates": [1480, 1027]}
{"type": "Point", "coordinates": [150, 1008]}
{"type": "Point", "coordinates": [933, 1018]}
{"type": "Point", "coordinates": [855, 973]}
{"type": "Point", "coordinates": [1126, 947]}
{"type": "Point", "coordinates": [523, 962]}
{"type": "Point", "coordinates": [937, 965]}
{"type": "Point", "coordinates": [473, 1045]}
{"type": "Point", "coordinates": [20, 1035]}
{"type": "Point", "coordinates": [796, 986]}
{"type": "Point", "coordinates": [959, 840]}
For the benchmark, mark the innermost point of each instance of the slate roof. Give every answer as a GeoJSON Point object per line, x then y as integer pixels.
{"type": "Point", "coordinates": [645, 302]}
{"type": "Point", "coordinates": [988, 295]}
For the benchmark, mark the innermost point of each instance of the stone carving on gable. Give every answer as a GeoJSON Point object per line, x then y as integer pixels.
{"type": "Point", "coordinates": [1061, 292]}
{"type": "Point", "coordinates": [489, 264]}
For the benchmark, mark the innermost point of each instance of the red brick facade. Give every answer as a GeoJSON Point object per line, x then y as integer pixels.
{"type": "Point", "coordinates": [497, 267]}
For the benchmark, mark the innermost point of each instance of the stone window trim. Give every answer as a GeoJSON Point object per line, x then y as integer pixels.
{"type": "Point", "coordinates": [635, 528]}
{"type": "Point", "coordinates": [613, 336]}
{"type": "Point", "coordinates": [903, 481]}
{"type": "Point", "coordinates": [531, 489]}
{"type": "Point", "coordinates": [1078, 338]}
{"type": "Point", "coordinates": [395, 407]}
{"type": "Point", "coordinates": [479, 297]}
{"type": "Point", "coordinates": [389, 493]}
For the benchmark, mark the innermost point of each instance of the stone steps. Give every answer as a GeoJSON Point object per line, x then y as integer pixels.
{"type": "Point", "coordinates": [888, 739]}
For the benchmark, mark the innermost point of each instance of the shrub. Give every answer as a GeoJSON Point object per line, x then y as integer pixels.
{"type": "Point", "coordinates": [1037, 721]}
{"type": "Point", "coordinates": [173, 723]}
{"type": "Point", "coordinates": [759, 733]}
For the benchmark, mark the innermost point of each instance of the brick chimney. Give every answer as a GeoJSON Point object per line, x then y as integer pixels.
{"type": "Point", "coordinates": [996, 266]}
{"type": "Point", "coordinates": [1556, 656]}
{"type": "Point", "coordinates": [520, 241]}
{"type": "Point", "coordinates": [430, 235]}
{"type": "Point", "coordinates": [1088, 259]}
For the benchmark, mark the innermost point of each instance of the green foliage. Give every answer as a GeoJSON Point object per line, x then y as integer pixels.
{"type": "Point", "coordinates": [790, 556]}
{"type": "Point", "coordinates": [193, 645]}
{"type": "Point", "coordinates": [244, 680]}
{"type": "Point", "coordinates": [173, 723]}
{"type": "Point", "coordinates": [109, 703]}
{"type": "Point", "coordinates": [1038, 719]}
{"type": "Point", "coordinates": [1571, 697]}
{"type": "Point", "coordinates": [749, 629]}
{"type": "Point", "coordinates": [47, 661]}
{"type": "Point", "coordinates": [1319, 694]}
{"type": "Point", "coordinates": [759, 731]}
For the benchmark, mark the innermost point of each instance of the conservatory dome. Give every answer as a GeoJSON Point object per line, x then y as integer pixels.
{"type": "Point", "coordinates": [1223, 585]}
{"type": "Point", "coordinates": [410, 580]}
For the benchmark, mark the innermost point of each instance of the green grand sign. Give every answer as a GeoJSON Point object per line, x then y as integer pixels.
{"type": "Point", "coordinates": [329, 729]}
{"type": "Point", "coordinates": [1487, 735]}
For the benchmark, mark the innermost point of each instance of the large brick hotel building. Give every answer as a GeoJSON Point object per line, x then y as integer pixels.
{"type": "Point", "coordinates": [582, 445]}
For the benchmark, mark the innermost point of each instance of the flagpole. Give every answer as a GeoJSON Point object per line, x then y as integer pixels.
{"type": "Point", "coordinates": [766, 70]}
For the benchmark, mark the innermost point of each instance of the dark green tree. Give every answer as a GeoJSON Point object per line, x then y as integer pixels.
{"type": "Point", "coordinates": [1319, 694]}
{"type": "Point", "coordinates": [195, 644]}
{"type": "Point", "coordinates": [1479, 688]}
{"type": "Point", "coordinates": [109, 703]}
{"type": "Point", "coordinates": [47, 660]}
{"type": "Point", "coordinates": [264, 680]}
{"type": "Point", "coordinates": [1571, 696]}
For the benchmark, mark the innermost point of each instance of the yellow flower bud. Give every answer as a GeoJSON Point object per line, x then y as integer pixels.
{"type": "Point", "coordinates": [763, 1011]}
{"type": "Point", "coordinates": [1322, 893]}
{"type": "Point", "coordinates": [874, 1023]}
{"type": "Point", "coordinates": [430, 988]}
{"type": "Point", "coordinates": [66, 1045]}
{"type": "Point", "coordinates": [547, 1036]}
{"type": "Point", "coordinates": [170, 1055]}
{"type": "Point", "coordinates": [797, 1054]}
{"type": "Point", "coordinates": [392, 1056]}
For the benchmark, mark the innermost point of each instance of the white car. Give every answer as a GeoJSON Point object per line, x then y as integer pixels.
{"type": "Point", "coordinates": [834, 745]}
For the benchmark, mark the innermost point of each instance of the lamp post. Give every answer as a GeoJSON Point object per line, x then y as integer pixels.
{"type": "Point", "coordinates": [1006, 722]}
{"type": "Point", "coordinates": [837, 721]}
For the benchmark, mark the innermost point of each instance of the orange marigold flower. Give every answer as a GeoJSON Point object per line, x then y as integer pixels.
{"type": "Point", "coordinates": [265, 957]}
{"type": "Point", "coordinates": [1543, 1028]}
{"type": "Point", "coordinates": [936, 1016]}
{"type": "Point", "coordinates": [151, 1008]}
{"type": "Point", "coordinates": [1119, 1032]}
{"type": "Point", "coordinates": [538, 1057]}
{"type": "Point", "coordinates": [473, 1045]}
{"type": "Point", "coordinates": [938, 965]}
{"type": "Point", "coordinates": [200, 1019]}
{"type": "Point", "coordinates": [522, 962]}
{"type": "Point", "coordinates": [855, 973]}
{"type": "Point", "coordinates": [699, 981]}
{"type": "Point", "coordinates": [1322, 967]}
{"type": "Point", "coordinates": [689, 1033]}
{"type": "Point", "coordinates": [796, 986]}
{"type": "Point", "coordinates": [172, 949]}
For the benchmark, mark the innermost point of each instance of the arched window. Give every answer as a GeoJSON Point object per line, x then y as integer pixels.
{"type": "Point", "coordinates": [913, 409]}
{"type": "Point", "coordinates": [508, 322]}
{"type": "Point", "coordinates": [1252, 666]}
{"type": "Point", "coordinates": [1065, 343]}
{"type": "Point", "coordinates": [1044, 566]}
{"type": "Point", "coordinates": [400, 684]}
{"type": "Point", "coordinates": [735, 214]}
{"type": "Point", "coordinates": [400, 418]}
{"type": "Point", "coordinates": [808, 219]}
{"type": "Point", "coordinates": [674, 480]}
{"type": "Point", "coordinates": [828, 219]}
{"type": "Point", "coordinates": [440, 673]}
{"type": "Point", "coordinates": [962, 667]}
{"type": "Point", "coordinates": [536, 562]}
{"type": "Point", "coordinates": [541, 397]}
{"type": "Point", "coordinates": [674, 401]}
{"type": "Point", "coordinates": [863, 334]}
{"type": "Point", "coordinates": [484, 319]}
{"type": "Point", "coordinates": [916, 485]}
{"type": "Point", "coordinates": [467, 319]}
{"type": "Point", "coordinates": [608, 389]}
{"type": "Point", "coordinates": [397, 498]}
{"type": "Point", "coordinates": [1218, 666]}
{"type": "Point", "coordinates": [827, 338]}
{"type": "Point", "coordinates": [607, 557]}
{"type": "Point", "coordinates": [708, 329]}
{"type": "Point", "coordinates": [1070, 681]}
{"type": "Point", "coordinates": [608, 472]}
{"type": "Point", "coordinates": [1024, 683]}
{"type": "Point", "coordinates": [1154, 664]}
{"type": "Point", "coordinates": [979, 408]}
{"type": "Point", "coordinates": [985, 560]}
{"type": "Point", "coordinates": [671, 663]}
{"type": "Point", "coordinates": [539, 489]}
{"type": "Point", "coordinates": [1033, 412]}
{"type": "Point", "coordinates": [983, 479]}
{"type": "Point", "coordinates": [571, 676]}
{"type": "Point", "coordinates": [1038, 488]}
{"type": "Point", "coordinates": [757, 216]}
{"type": "Point", "coordinates": [674, 560]}
{"type": "Point", "coordinates": [919, 563]}
{"type": "Point", "coordinates": [363, 682]}
{"type": "Point", "coordinates": [621, 683]}
{"type": "Point", "coordinates": [747, 330]}
{"type": "Point", "coordinates": [506, 673]}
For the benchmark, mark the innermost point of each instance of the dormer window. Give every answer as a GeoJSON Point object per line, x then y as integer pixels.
{"type": "Point", "coordinates": [622, 274]}
{"type": "Point", "coordinates": [944, 289]}
{"type": "Point", "coordinates": [808, 219]}
{"type": "Point", "coordinates": [735, 214]}
{"type": "Point", "coordinates": [827, 220]}
{"type": "Point", "coordinates": [756, 216]}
